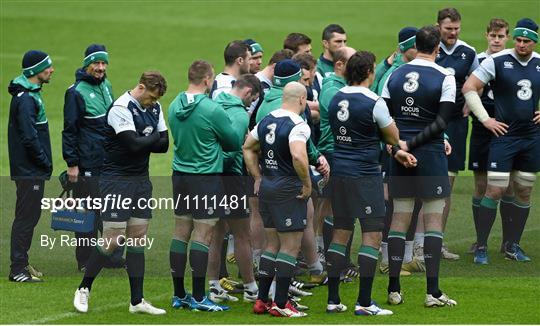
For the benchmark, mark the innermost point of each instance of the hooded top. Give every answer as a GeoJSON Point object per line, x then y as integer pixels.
{"type": "Point", "coordinates": [29, 144]}
{"type": "Point", "coordinates": [236, 111]}
{"type": "Point", "coordinates": [85, 107]}
{"type": "Point", "coordinates": [202, 131]}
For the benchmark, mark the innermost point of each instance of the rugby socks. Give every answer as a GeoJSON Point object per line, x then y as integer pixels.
{"type": "Point", "coordinates": [198, 259]}
{"type": "Point", "coordinates": [178, 260]}
{"type": "Point", "coordinates": [328, 228]}
{"type": "Point", "coordinates": [336, 261]}
{"type": "Point", "coordinates": [389, 205]}
{"type": "Point", "coordinates": [419, 239]}
{"type": "Point", "coordinates": [95, 263]}
{"type": "Point", "coordinates": [285, 265]}
{"type": "Point", "coordinates": [320, 241]}
{"type": "Point", "coordinates": [475, 208]}
{"type": "Point", "coordinates": [223, 272]}
{"type": "Point", "coordinates": [486, 216]}
{"type": "Point", "coordinates": [432, 255]}
{"type": "Point", "coordinates": [367, 262]}
{"type": "Point", "coordinates": [384, 253]}
{"type": "Point", "coordinates": [408, 253]}
{"type": "Point", "coordinates": [520, 213]}
{"type": "Point", "coordinates": [135, 270]}
{"type": "Point", "coordinates": [267, 270]}
{"type": "Point", "coordinates": [505, 205]}
{"type": "Point", "coordinates": [316, 268]}
{"type": "Point", "coordinates": [396, 249]}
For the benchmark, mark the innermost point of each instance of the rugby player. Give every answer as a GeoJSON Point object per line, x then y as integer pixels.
{"type": "Point", "coordinates": [284, 188]}
{"type": "Point", "coordinates": [421, 96]}
{"type": "Point", "coordinates": [202, 131]}
{"type": "Point", "coordinates": [237, 57]}
{"type": "Point", "coordinates": [514, 78]}
{"type": "Point", "coordinates": [496, 36]}
{"type": "Point", "coordinates": [460, 59]}
{"type": "Point", "coordinates": [245, 90]}
{"type": "Point", "coordinates": [135, 128]}
{"type": "Point", "coordinates": [357, 116]}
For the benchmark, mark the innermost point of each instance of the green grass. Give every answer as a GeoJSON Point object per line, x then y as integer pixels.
{"type": "Point", "coordinates": [503, 292]}
{"type": "Point", "coordinates": [168, 36]}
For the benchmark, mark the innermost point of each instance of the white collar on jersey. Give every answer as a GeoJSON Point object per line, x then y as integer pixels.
{"type": "Point", "coordinates": [280, 113]}
{"type": "Point", "coordinates": [359, 90]}
{"type": "Point", "coordinates": [427, 63]}
{"type": "Point", "coordinates": [512, 52]}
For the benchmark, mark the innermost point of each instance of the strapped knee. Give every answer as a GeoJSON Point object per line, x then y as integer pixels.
{"type": "Point", "coordinates": [498, 179]}
{"type": "Point", "coordinates": [433, 206]}
{"type": "Point", "coordinates": [526, 179]}
{"type": "Point", "coordinates": [403, 205]}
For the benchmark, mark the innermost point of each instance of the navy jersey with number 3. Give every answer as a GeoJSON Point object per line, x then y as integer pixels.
{"type": "Point", "coordinates": [274, 133]}
{"type": "Point", "coordinates": [516, 90]}
{"type": "Point", "coordinates": [355, 115]}
{"type": "Point", "coordinates": [415, 91]}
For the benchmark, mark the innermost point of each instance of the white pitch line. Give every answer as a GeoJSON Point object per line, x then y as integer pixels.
{"type": "Point", "coordinates": [52, 318]}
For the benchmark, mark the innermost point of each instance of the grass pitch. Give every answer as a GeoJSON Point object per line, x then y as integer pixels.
{"type": "Point", "coordinates": [168, 36]}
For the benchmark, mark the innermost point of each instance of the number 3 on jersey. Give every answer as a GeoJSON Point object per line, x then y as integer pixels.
{"type": "Point", "coordinates": [271, 136]}
{"type": "Point", "coordinates": [411, 85]}
{"type": "Point", "coordinates": [343, 113]}
{"type": "Point", "coordinates": [525, 92]}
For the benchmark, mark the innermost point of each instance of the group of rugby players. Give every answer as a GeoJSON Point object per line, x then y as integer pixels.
{"type": "Point", "coordinates": [315, 148]}
{"type": "Point", "coordinates": [316, 144]}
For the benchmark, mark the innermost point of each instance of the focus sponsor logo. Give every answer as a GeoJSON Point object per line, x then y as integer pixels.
{"type": "Point", "coordinates": [410, 111]}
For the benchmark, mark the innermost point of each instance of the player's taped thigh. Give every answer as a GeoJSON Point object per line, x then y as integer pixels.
{"type": "Point", "coordinates": [208, 221]}
{"type": "Point", "coordinates": [184, 217]}
{"type": "Point", "coordinates": [433, 206]}
{"type": "Point", "coordinates": [526, 179]}
{"type": "Point", "coordinates": [113, 230]}
{"type": "Point", "coordinates": [137, 227]}
{"type": "Point", "coordinates": [453, 173]}
{"type": "Point", "coordinates": [403, 205]}
{"type": "Point", "coordinates": [498, 179]}
{"type": "Point", "coordinates": [134, 221]}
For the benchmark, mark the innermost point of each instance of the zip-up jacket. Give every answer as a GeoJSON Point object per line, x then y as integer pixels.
{"type": "Point", "coordinates": [85, 107]}
{"type": "Point", "coordinates": [29, 143]}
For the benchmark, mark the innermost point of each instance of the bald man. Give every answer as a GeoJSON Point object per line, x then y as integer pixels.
{"type": "Point", "coordinates": [284, 186]}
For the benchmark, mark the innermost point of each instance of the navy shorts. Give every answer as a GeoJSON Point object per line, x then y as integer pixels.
{"type": "Point", "coordinates": [457, 137]}
{"type": "Point", "coordinates": [514, 153]}
{"type": "Point", "coordinates": [138, 190]}
{"type": "Point", "coordinates": [199, 195]}
{"type": "Point", "coordinates": [357, 197]}
{"type": "Point", "coordinates": [479, 149]}
{"type": "Point", "coordinates": [236, 190]}
{"type": "Point", "coordinates": [287, 216]}
{"type": "Point", "coordinates": [428, 180]}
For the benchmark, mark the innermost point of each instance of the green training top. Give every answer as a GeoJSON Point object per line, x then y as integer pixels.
{"type": "Point", "coordinates": [236, 111]}
{"type": "Point", "coordinates": [331, 85]}
{"type": "Point", "coordinates": [201, 131]}
{"type": "Point", "coordinates": [325, 67]}
{"type": "Point", "coordinates": [384, 72]}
